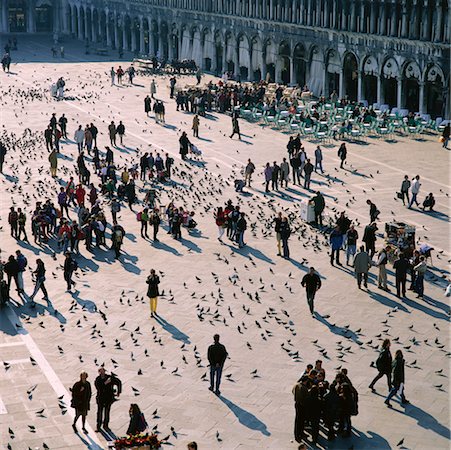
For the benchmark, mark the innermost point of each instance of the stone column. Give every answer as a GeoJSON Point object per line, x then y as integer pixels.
{"type": "Point", "coordinates": [383, 16]}
{"type": "Point", "coordinates": [438, 23]}
{"type": "Point", "coordinates": [353, 14]}
{"type": "Point", "coordinates": [359, 86]}
{"type": "Point", "coordinates": [404, 19]}
{"type": "Point", "coordinates": [343, 17]}
{"type": "Point", "coordinates": [80, 26]}
{"type": "Point", "coordinates": [373, 18]}
{"type": "Point", "coordinates": [271, 10]}
{"type": "Point", "coordinates": [4, 18]}
{"type": "Point", "coordinates": [74, 23]}
{"type": "Point", "coordinates": [379, 90]}
{"type": "Point", "coordinates": [278, 71]}
{"type": "Point", "coordinates": [94, 26]}
{"type": "Point", "coordinates": [31, 25]}
{"type": "Point", "coordinates": [399, 94]}
{"type": "Point", "coordinates": [309, 12]}
{"type": "Point", "coordinates": [107, 27]}
{"type": "Point", "coordinates": [326, 21]}
{"type": "Point", "coordinates": [341, 85]}
{"type": "Point", "coordinates": [394, 20]}
{"type": "Point", "coordinates": [116, 31]}
{"type": "Point", "coordinates": [425, 22]}
{"type": "Point", "coordinates": [151, 38]}
{"type": "Point", "coordinates": [125, 43]}
{"type": "Point", "coordinates": [421, 97]}
{"type": "Point", "coordinates": [133, 35]}
{"type": "Point", "coordinates": [86, 30]}
{"type": "Point", "coordinates": [141, 35]}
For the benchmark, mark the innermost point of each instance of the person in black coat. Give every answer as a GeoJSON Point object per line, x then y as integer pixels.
{"type": "Point", "coordinates": [184, 145]}
{"type": "Point", "coordinates": [152, 291]}
{"type": "Point", "coordinates": [401, 266]}
{"type": "Point", "coordinates": [342, 154]}
{"type": "Point", "coordinates": [109, 387]}
{"type": "Point", "coordinates": [3, 151]}
{"type": "Point", "coordinates": [81, 398]}
{"type": "Point", "coordinates": [398, 379]}
{"type": "Point", "coordinates": [11, 268]}
{"type": "Point", "coordinates": [285, 232]}
{"type": "Point", "coordinates": [369, 237]}
{"type": "Point", "coordinates": [312, 283]}
{"type": "Point", "coordinates": [217, 354]}
{"type": "Point", "coordinates": [383, 365]}
{"type": "Point", "coordinates": [138, 422]}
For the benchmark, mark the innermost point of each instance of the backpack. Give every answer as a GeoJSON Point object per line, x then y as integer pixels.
{"type": "Point", "coordinates": [139, 216]}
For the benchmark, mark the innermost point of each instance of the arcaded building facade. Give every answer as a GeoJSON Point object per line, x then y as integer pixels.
{"type": "Point", "coordinates": [394, 52]}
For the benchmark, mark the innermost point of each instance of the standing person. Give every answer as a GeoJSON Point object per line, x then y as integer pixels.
{"type": "Point", "coordinates": [420, 270]}
{"type": "Point", "coordinates": [112, 75]}
{"type": "Point", "coordinates": [152, 292]}
{"type": "Point", "coordinates": [144, 219]}
{"type": "Point", "coordinates": [217, 354]}
{"type": "Point", "coordinates": [351, 244]}
{"type": "Point", "coordinates": [405, 186]}
{"type": "Point", "coordinates": [63, 202]}
{"type": "Point", "coordinates": [308, 169]}
{"type": "Point", "coordinates": [137, 422]}
{"type": "Point", "coordinates": [79, 138]}
{"type": "Point", "coordinates": [220, 220]}
{"type": "Point", "coordinates": [295, 164]}
{"type": "Point", "coordinates": [63, 125]}
{"type": "Point", "coordinates": [277, 225]}
{"type": "Point", "coordinates": [48, 135]}
{"type": "Point", "coordinates": [81, 399]}
{"type": "Point", "coordinates": [11, 268]}
{"type": "Point", "coordinates": [94, 132]}
{"type": "Point", "coordinates": [185, 144]}
{"type": "Point", "coordinates": [268, 176]}
{"type": "Point", "coordinates": [119, 74]}
{"type": "Point", "coordinates": [401, 266]}
{"type": "Point", "coordinates": [381, 264]}
{"type": "Point", "coordinates": [109, 388]}
{"type": "Point", "coordinates": [415, 190]}
{"type": "Point", "coordinates": [312, 283]}
{"type": "Point", "coordinates": [22, 264]}
{"type": "Point", "coordinates": [336, 242]}
{"type": "Point", "coordinates": [3, 151]}
{"type": "Point", "coordinates": [362, 264]}
{"type": "Point", "coordinates": [319, 159]}
{"type": "Point", "coordinates": [374, 212]}
{"type": "Point", "coordinates": [88, 139]}
{"type": "Point", "coordinates": [369, 237]}
{"type": "Point", "coordinates": [285, 232]}
{"type": "Point", "coordinates": [318, 207]}
{"type": "Point", "coordinates": [195, 127]}
{"type": "Point", "coordinates": [301, 398]}
{"type": "Point", "coordinates": [153, 89]}
{"type": "Point", "coordinates": [13, 220]}
{"type": "Point", "coordinates": [39, 274]}
{"type": "Point", "coordinates": [112, 133]}
{"type": "Point", "coordinates": [284, 172]}
{"type": "Point", "coordinates": [398, 376]}
{"type": "Point", "coordinates": [53, 160]}
{"type": "Point", "coordinates": [235, 128]}
{"type": "Point", "coordinates": [120, 130]}
{"type": "Point", "coordinates": [117, 239]}
{"type": "Point", "coordinates": [383, 365]}
{"type": "Point", "coordinates": [342, 154]}
{"type": "Point", "coordinates": [21, 221]}
{"type": "Point", "coordinates": [147, 105]}
{"type": "Point", "coordinates": [248, 171]}
{"type": "Point", "coordinates": [70, 265]}
{"type": "Point", "coordinates": [275, 172]}
{"type": "Point", "coordinates": [241, 226]}
{"type": "Point", "coordinates": [168, 163]}
{"type": "Point", "coordinates": [172, 83]}
{"type": "Point", "coordinates": [155, 221]}
{"type": "Point", "coordinates": [445, 135]}
{"type": "Point", "coordinates": [57, 137]}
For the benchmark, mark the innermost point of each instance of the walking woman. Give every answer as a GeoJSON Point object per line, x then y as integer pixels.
{"type": "Point", "coordinates": [220, 222]}
{"type": "Point", "coordinates": [39, 274]}
{"type": "Point", "coordinates": [81, 397]}
{"type": "Point", "coordinates": [383, 365]}
{"type": "Point", "coordinates": [138, 422]}
{"type": "Point", "coordinates": [152, 291]}
{"type": "Point", "coordinates": [398, 379]}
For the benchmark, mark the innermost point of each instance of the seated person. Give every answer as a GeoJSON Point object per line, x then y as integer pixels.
{"type": "Point", "coordinates": [429, 202]}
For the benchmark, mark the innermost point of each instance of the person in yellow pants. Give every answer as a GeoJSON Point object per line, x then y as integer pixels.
{"type": "Point", "coordinates": [152, 291]}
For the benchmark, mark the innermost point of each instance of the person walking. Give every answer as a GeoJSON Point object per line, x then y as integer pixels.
{"type": "Point", "coordinates": [13, 220]}
{"type": "Point", "coordinates": [22, 265]}
{"type": "Point", "coordinates": [318, 207]}
{"type": "Point", "coordinates": [248, 171]}
{"type": "Point", "coordinates": [48, 135]}
{"type": "Point", "coordinates": [405, 186]}
{"type": "Point", "coordinates": [295, 164]}
{"type": "Point", "coordinates": [21, 221]}
{"type": "Point", "coordinates": [153, 88]}
{"type": "Point", "coordinates": [369, 237]}
{"type": "Point", "coordinates": [117, 239]}
{"type": "Point", "coordinates": [195, 127]}
{"type": "Point", "coordinates": [112, 75]}
{"type": "Point", "coordinates": [374, 212]}
{"type": "Point", "coordinates": [63, 125]}
{"type": "Point", "coordinates": [79, 137]}
{"type": "Point", "coordinates": [11, 268]}
{"type": "Point", "coordinates": [137, 422]}
{"type": "Point", "coordinates": [277, 225]}
{"type": "Point", "coordinates": [398, 379]}
{"type": "Point", "coordinates": [39, 274]}
{"type": "Point", "coordinates": [308, 169]}
{"type": "Point", "coordinates": [420, 270]}
{"type": "Point", "coordinates": [351, 244]}
{"type": "Point", "coordinates": [381, 263]}
{"type": "Point", "coordinates": [342, 154]}
{"type": "Point", "coordinates": [312, 283]}
{"type": "Point", "coordinates": [285, 232]}
{"type": "Point", "coordinates": [53, 160]}
{"type": "Point", "coordinates": [220, 220]}
{"type": "Point", "coordinates": [241, 226]}
{"type": "Point", "coordinates": [120, 130]}
{"type": "Point", "coordinates": [217, 354]}
{"type": "Point", "coordinates": [336, 242]}
{"type": "Point", "coordinates": [112, 133]}
{"type": "Point", "coordinates": [445, 135]}
{"type": "Point", "coordinates": [70, 265]}
{"type": "Point", "coordinates": [415, 190]}
{"type": "Point", "coordinates": [81, 399]}
{"type": "Point", "coordinates": [401, 266]}
{"type": "Point", "coordinates": [109, 388]}
{"type": "Point", "coordinates": [144, 219]}
{"type": "Point", "coordinates": [155, 220]}
{"type": "Point", "coordinates": [268, 176]}
{"type": "Point", "coordinates": [235, 128]}
{"type": "Point", "coordinates": [284, 172]}
{"type": "Point", "coordinates": [362, 264]}
{"type": "Point", "coordinates": [152, 291]}
{"type": "Point", "coordinates": [319, 159]}
{"type": "Point", "coordinates": [184, 144]}
{"type": "Point", "coordinates": [275, 172]}
{"type": "Point", "coordinates": [383, 365]}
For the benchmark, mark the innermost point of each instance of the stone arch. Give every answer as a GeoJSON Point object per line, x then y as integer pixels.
{"type": "Point", "coordinates": [174, 42]}
{"type": "Point", "coordinates": [244, 58]}
{"type": "Point", "coordinates": [270, 59]}
{"type": "Point", "coordinates": [370, 69]}
{"type": "Point", "coordinates": [208, 49]}
{"type": "Point", "coordinates": [316, 73]}
{"type": "Point", "coordinates": [256, 58]}
{"type": "Point", "coordinates": [299, 64]}
{"type": "Point", "coordinates": [284, 59]}
{"type": "Point", "coordinates": [390, 73]}
{"type": "Point", "coordinates": [350, 75]}
{"type": "Point", "coordinates": [435, 91]}
{"type": "Point", "coordinates": [185, 52]}
{"type": "Point", "coordinates": [220, 51]}
{"type": "Point", "coordinates": [230, 52]}
{"type": "Point", "coordinates": [196, 46]}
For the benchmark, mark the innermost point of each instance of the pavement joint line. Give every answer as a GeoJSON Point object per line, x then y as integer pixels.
{"type": "Point", "coordinates": [3, 409]}
{"type": "Point", "coordinates": [17, 361]}
{"type": "Point", "coordinates": [50, 375]}
{"type": "Point", "coordinates": [12, 344]}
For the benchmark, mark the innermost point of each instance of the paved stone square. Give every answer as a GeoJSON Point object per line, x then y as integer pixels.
{"type": "Point", "coordinates": [212, 288]}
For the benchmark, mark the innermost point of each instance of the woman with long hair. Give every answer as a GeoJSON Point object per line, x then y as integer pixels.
{"type": "Point", "coordinates": [383, 365]}
{"type": "Point", "coordinates": [81, 398]}
{"type": "Point", "coordinates": [39, 274]}
{"type": "Point", "coordinates": [138, 422]}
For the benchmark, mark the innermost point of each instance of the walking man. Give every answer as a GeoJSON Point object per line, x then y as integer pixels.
{"type": "Point", "coordinates": [401, 266]}
{"type": "Point", "coordinates": [285, 232]}
{"type": "Point", "coordinates": [362, 264]}
{"type": "Point", "coordinates": [70, 265]}
{"type": "Point", "coordinates": [109, 388]}
{"type": "Point", "coordinates": [153, 280]}
{"type": "Point", "coordinates": [415, 190]}
{"type": "Point", "coordinates": [235, 128]}
{"type": "Point", "coordinates": [342, 154]}
{"type": "Point", "coordinates": [336, 242]}
{"type": "Point", "coordinates": [312, 283]}
{"type": "Point", "coordinates": [248, 171]}
{"type": "Point", "coordinates": [351, 244]}
{"type": "Point", "coordinates": [381, 263]}
{"type": "Point", "coordinates": [308, 169]}
{"type": "Point", "coordinates": [217, 354]}
{"type": "Point", "coordinates": [398, 379]}
{"type": "Point", "coordinates": [319, 159]}
{"type": "Point", "coordinates": [405, 186]}
{"type": "Point", "coordinates": [319, 205]}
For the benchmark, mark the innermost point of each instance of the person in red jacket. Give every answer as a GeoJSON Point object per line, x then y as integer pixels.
{"type": "Point", "coordinates": [80, 195]}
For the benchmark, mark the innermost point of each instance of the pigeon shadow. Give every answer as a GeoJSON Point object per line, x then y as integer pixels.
{"type": "Point", "coordinates": [88, 305]}
{"type": "Point", "coordinates": [173, 330]}
{"type": "Point", "coordinates": [245, 417]}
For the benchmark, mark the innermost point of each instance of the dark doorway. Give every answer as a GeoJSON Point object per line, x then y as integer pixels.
{"type": "Point", "coordinates": [434, 94]}
{"type": "Point", "coordinates": [350, 76]}
{"type": "Point", "coordinates": [390, 86]}
{"type": "Point", "coordinates": [17, 17]}
{"type": "Point", "coordinates": [231, 67]}
{"type": "Point", "coordinates": [411, 94]}
{"type": "Point", "coordinates": [219, 55]}
{"type": "Point", "coordinates": [207, 64]}
{"type": "Point", "coordinates": [271, 71]}
{"type": "Point", "coordinates": [44, 18]}
{"type": "Point", "coordinates": [257, 75]}
{"type": "Point", "coordinates": [244, 73]}
{"type": "Point", "coordinates": [333, 83]}
{"type": "Point", "coordinates": [370, 89]}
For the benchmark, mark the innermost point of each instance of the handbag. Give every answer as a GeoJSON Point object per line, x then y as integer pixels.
{"type": "Point", "coordinates": [399, 195]}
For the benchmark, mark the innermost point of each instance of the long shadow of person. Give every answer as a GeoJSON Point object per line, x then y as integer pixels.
{"type": "Point", "coordinates": [173, 330]}
{"type": "Point", "coordinates": [245, 417]}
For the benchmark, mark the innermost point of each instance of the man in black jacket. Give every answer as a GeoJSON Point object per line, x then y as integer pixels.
{"type": "Point", "coordinates": [311, 282]}
{"type": "Point", "coordinates": [401, 266]}
{"type": "Point", "coordinates": [3, 151]}
{"type": "Point", "coordinates": [70, 265]}
{"type": "Point", "coordinates": [217, 355]}
{"type": "Point", "coordinates": [108, 388]}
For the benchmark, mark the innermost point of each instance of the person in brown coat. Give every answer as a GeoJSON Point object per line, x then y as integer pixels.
{"type": "Point", "coordinates": [81, 398]}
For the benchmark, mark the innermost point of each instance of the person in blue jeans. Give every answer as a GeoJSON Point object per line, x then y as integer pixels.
{"type": "Point", "coordinates": [420, 270]}
{"type": "Point", "coordinates": [217, 354]}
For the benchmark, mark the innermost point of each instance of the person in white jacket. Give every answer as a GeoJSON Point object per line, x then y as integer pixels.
{"type": "Point", "coordinates": [415, 189]}
{"type": "Point", "coordinates": [79, 138]}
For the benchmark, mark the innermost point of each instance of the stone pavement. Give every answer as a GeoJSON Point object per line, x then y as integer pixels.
{"type": "Point", "coordinates": [164, 360]}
